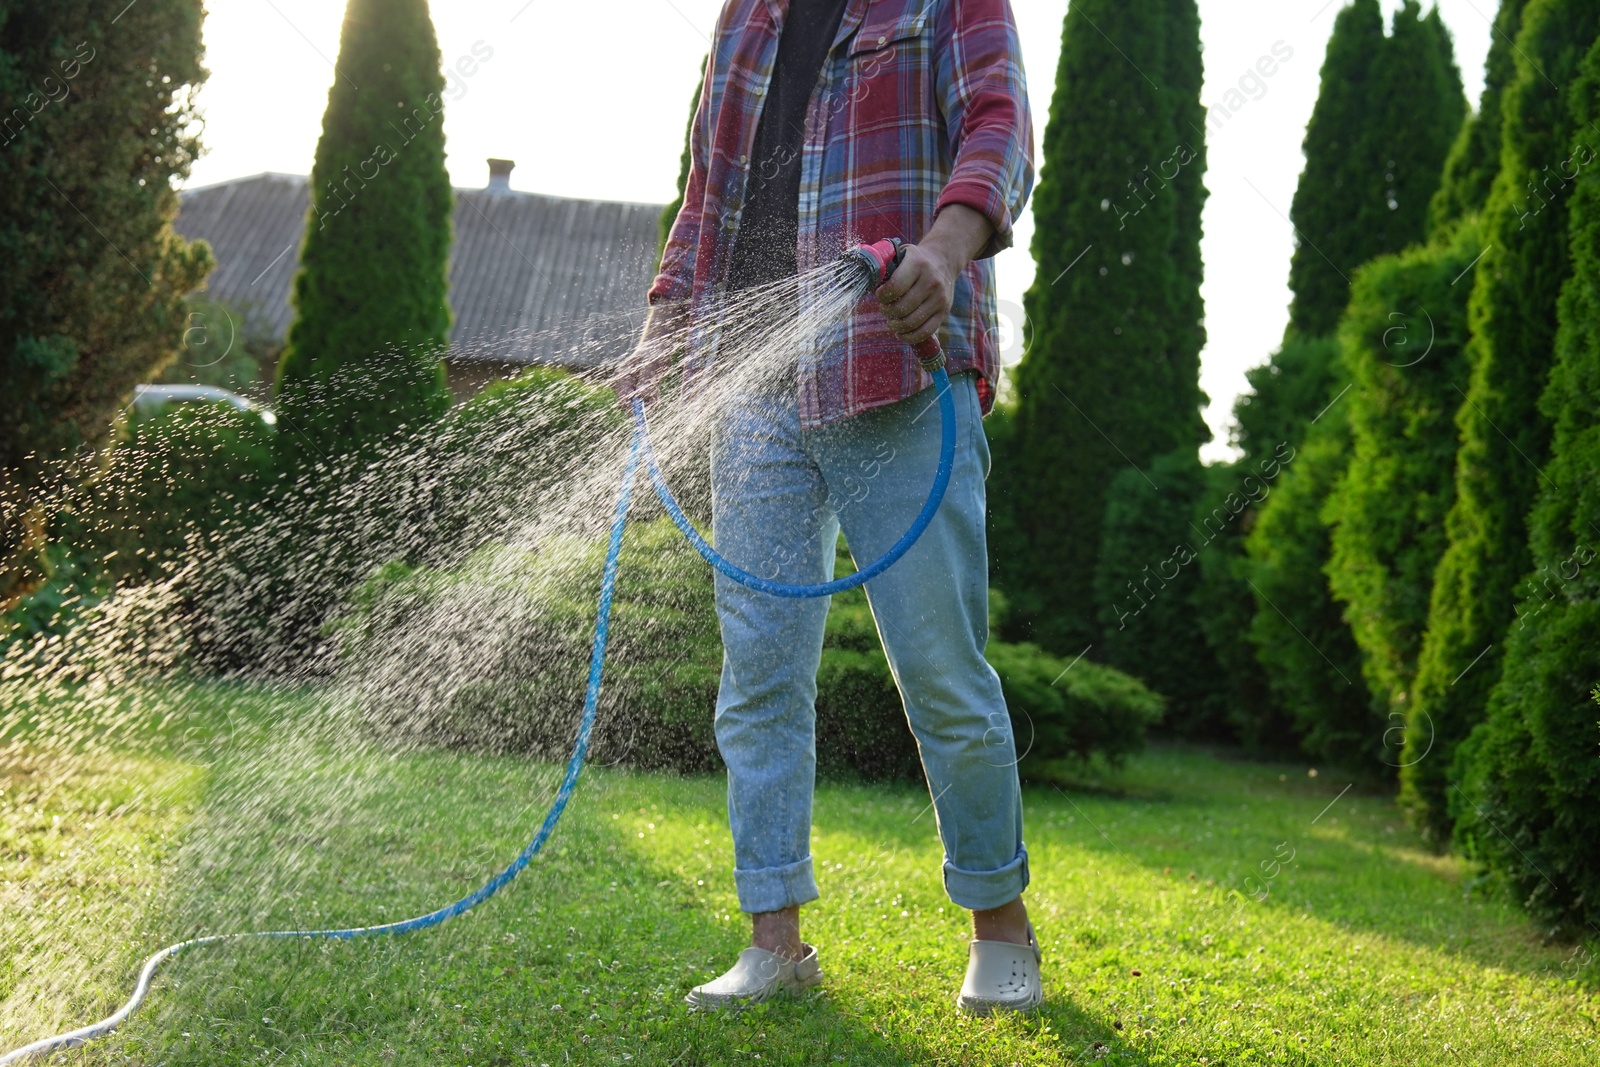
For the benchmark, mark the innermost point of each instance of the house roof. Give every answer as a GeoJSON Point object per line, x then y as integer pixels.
{"type": "Point", "coordinates": [533, 279]}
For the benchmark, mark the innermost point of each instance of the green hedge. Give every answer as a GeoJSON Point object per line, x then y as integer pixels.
{"type": "Point", "coordinates": [527, 617]}
{"type": "Point", "coordinates": [171, 486]}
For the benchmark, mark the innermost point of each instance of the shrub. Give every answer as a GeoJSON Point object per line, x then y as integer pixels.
{"type": "Point", "coordinates": [1403, 345]}
{"type": "Point", "coordinates": [172, 487]}
{"type": "Point", "coordinates": [1223, 603]}
{"type": "Point", "coordinates": [1300, 636]}
{"type": "Point", "coordinates": [1057, 713]}
{"type": "Point", "coordinates": [1145, 583]}
{"type": "Point", "coordinates": [527, 617]}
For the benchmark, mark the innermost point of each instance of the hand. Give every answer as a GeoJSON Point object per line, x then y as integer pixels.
{"type": "Point", "coordinates": [916, 298]}
{"type": "Point", "coordinates": [639, 374]}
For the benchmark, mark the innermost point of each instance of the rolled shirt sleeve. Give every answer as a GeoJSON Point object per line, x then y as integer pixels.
{"type": "Point", "coordinates": [981, 87]}
{"type": "Point", "coordinates": [674, 281]}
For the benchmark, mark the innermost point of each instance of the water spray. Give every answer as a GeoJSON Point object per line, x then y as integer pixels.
{"type": "Point", "coordinates": [867, 268]}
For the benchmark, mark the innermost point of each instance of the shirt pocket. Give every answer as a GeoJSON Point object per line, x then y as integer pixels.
{"type": "Point", "coordinates": [890, 34]}
{"type": "Point", "coordinates": [890, 67]}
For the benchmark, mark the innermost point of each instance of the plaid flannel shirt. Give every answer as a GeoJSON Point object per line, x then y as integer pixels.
{"type": "Point", "coordinates": [920, 104]}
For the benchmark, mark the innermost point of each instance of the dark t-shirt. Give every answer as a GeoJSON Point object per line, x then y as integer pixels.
{"type": "Point", "coordinates": [764, 249]}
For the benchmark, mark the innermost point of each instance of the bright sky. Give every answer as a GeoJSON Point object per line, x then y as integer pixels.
{"type": "Point", "coordinates": [590, 99]}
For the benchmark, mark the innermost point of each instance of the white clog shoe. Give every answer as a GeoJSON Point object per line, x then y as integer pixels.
{"type": "Point", "coordinates": [1001, 976]}
{"type": "Point", "coordinates": [759, 975]}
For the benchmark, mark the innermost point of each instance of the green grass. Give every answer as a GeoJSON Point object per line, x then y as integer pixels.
{"type": "Point", "coordinates": [1359, 947]}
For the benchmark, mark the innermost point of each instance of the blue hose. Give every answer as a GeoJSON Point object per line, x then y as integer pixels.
{"type": "Point", "coordinates": [597, 661]}
{"type": "Point", "coordinates": [941, 482]}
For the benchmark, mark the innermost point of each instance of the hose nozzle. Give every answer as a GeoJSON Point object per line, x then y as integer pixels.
{"type": "Point", "coordinates": [875, 264]}
{"type": "Point", "coordinates": [876, 261]}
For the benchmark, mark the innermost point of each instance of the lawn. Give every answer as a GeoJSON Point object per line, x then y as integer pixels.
{"type": "Point", "coordinates": [1194, 909]}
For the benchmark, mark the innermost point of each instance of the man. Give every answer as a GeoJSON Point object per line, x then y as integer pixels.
{"type": "Point", "coordinates": [824, 123]}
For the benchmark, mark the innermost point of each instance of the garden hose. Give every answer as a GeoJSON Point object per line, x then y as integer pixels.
{"type": "Point", "coordinates": [886, 255]}
{"type": "Point", "coordinates": [597, 662]}
{"type": "Point", "coordinates": [941, 482]}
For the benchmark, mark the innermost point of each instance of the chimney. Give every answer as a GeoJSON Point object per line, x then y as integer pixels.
{"type": "Point", "coordinates": [500, 175]}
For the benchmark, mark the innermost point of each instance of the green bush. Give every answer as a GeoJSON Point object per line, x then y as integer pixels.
{"type": "Point", "coordinates": [1145, 584]}
{"type": "Point", "coordinates": [172, 487]}
{"type": "Point", "coordinates": [1061, 710]}
{"type": "Point", "coordinates": [1301, 638]}
{"type": "Point", "coordinates": [528, 615]}
{"type": "Point", "coordinates": [491, 462]}
{"type": "Point", "coordinates": [528, 618]}
{"type": "Point", "coordinates": [1056, 713]}
{"type": "Point", "coordinates": [1403, 343]}
{"type": "Point", "coordinates": [1223, 602]}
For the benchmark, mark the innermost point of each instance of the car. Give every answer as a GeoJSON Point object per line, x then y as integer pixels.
{"type": "Point", "coordinates": [148, 399]}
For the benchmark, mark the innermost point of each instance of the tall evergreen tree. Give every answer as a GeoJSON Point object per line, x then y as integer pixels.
{"type": "Point", "coordinates": [1474, 159]}
{"type": "Point", "coordinates": [371, 311]}
{"type": "Point", "coordinates": [1402, 343]}
{"type": "Point", "coordinates": [1387, 113]}
{"type": "Point", "coordinates": [1374, 148]}
{"type": "Point", "coordinates": [1504, 437]}
{"type": "Point", "coordinates": [1111, 375]}
{"type": "Point", "coordinates": [1531, 777]}
{"type": "Point", "coordinates": [1340, 204]}
{"type": "Point", "coordinates": [96, 127]}
{"type": "Point", "coordinates": [1422, 101]}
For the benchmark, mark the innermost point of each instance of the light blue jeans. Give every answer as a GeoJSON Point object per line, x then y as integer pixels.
{"type": "Point", "coordinates": [780, 495]}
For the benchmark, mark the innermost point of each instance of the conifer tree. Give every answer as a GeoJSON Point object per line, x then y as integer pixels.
{"type": "Point", "coordinates": [1474, 159]}
{"type": "Point", "coordinates": [1530, 769]}
{"type": "Point", "coordinates": [372, 317]}
{"type": "Point", "coordinates": [1402, 344]}
{"type": "Point", "coordinates": [96, 129]}
{"type": "Point", "coordinates": [1375, 148]}
{"type": "Point", "coordinates": [1422, 109]}
{"type": "Point", "coordinates": [1384, 121]}
{"type": "Point", "coordinates": [1301, 639]}
{"type": "Point", "coordinates": [1111, 375]}
{"type": "Point", "coordinates": [1145, 584]}
{"type": "Point", "coordinates": [1505, 438]}
{"type": "Point", "coordinates": [1340, 203]}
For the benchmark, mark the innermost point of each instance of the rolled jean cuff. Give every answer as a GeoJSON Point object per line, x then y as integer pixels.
{"type": "Point", "coordinates": [776, 888]}
{"type": "Point", "coordinates": [983, 890]}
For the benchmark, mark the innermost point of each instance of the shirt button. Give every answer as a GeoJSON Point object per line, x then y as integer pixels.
{"type": "Point", "coordinates": [743, 160]}
{"type": "Point", "coordinates": [882, 40]}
